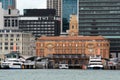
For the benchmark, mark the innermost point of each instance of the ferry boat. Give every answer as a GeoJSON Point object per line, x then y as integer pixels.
{"type": "Point", "coordinates": [63, 66]}
{"type": "Point", "coordinates": [11, 63]}
{"type": "Point", "coordinates": [95, 63]}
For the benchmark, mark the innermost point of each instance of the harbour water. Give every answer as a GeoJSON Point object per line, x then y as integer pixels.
{"type": "Point", "coordinates": [55, 74]}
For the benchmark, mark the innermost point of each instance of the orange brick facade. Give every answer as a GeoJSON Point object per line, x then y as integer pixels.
{"type": "Point", "coordinates": [89, 45]}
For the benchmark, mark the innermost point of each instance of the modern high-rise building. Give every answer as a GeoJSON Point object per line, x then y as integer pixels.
{"type": "Point", "coordinates": [40, 22]}
{"type": "Point", "coordinates": [6, 4]}
{"type": "Point", "coordinates": [101, 17]}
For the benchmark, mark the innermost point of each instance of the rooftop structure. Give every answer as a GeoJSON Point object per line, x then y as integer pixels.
{"type": "Point", "coordinates": [39, 12]}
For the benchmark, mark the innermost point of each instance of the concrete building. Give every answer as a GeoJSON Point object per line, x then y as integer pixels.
{"type": "Point", "coordinates": [11, 19]}
{"type": "Point", "coordinates": [55, 4]}
{"type": "Point", "coordinates": [101, 17]}
{"type": "Point", "coordinates": [1, 16]}
{"type": "Point", "coordinates": [40, 22]}
{"type": "Point", "coordinates": [8, 4]}
{"type": "Point", "coordinates": [16, 40]}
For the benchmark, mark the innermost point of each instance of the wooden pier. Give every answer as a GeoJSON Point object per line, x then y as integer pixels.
{"type": "Point", "coordinates": [28, 65]}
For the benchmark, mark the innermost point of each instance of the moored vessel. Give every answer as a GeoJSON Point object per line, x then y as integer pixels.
{"type": "Point", "coordinates": [95, 62]}
{"type": "Point", "coordinates": [63, 66]}
{"type": "Point", "coordinates": [11, 63]}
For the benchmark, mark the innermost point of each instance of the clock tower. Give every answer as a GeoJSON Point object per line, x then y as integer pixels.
{"type": "Point", "coordinates": [73, 30]}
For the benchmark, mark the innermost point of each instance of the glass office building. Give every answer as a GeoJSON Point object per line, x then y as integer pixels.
{"type": "Point", "coordinates": [68, 7]}
{"type": "Point", "coordinates": [6, 4]}
{"type": "Point", "coordinates": [101, 17]}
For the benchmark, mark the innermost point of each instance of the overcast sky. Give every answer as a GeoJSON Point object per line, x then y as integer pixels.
{"type": "Point", "coordinates": [30, 4]}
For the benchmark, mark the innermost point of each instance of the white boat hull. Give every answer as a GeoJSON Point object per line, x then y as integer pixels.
{"type": "Point", "coordinates": [6, 65]}
{"type": "Point", "coordinates": [95, 67]}
{"type": "Point", "coordinates": [11, 64]}
{"type": "Point", "coordinates": [95, 63]}
{"type": "Point", "coordinates": [63, 66]}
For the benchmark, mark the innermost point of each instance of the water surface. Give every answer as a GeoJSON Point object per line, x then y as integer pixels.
{"type": "Point", "coordinates": [55, 74]}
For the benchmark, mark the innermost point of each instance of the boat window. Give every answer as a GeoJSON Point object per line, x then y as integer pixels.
{"type": "Point", "coordinates": [95, 61]}
{"type": "Point", "coordinates": [66, 65]}
{"type": "Point", "coordinates": [60, 65]}
{"type": "Point", "coordinates": [13, 61]}
{"type": "Point", "coordinates": [95, 64]}
{"type": "Point", "coordinates": [16, 64]}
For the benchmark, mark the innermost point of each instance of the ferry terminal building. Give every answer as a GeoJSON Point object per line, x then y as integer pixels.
{"type": "Point", "coordinates": [72, 49]}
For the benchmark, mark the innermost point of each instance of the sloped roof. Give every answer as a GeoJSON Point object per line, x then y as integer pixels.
{"type": "Point", "coordinates": [73, 38]}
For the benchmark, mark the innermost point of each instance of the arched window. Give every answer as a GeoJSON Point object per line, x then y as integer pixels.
{"type": "Point", "coordinates": [70, 61]}
{"type": "Point", "coordinates": [72, 27]}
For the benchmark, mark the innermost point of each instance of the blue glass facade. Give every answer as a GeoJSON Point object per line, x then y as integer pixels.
{"type": "Point", "coordinates": [68, 7]}
{"type": "Point", "coordinates": [8, 3]}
